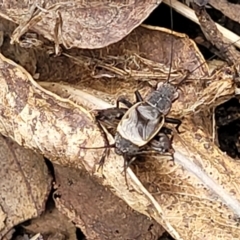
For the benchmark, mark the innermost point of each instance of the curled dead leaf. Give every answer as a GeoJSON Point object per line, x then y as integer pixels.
{"type": "Point", "coordinates": [25, 185]}
{"type": "Point", "coordinates": [72, 23]}
{"type": "Point", "coordinates": [143, 55]}
{"type": "Point", "coordinates": [40, 120]}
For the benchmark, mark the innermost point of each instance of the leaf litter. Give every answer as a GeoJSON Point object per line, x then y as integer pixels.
{"type": "Point", "coordinates": [94, 215]}
{"type": "Point", "coordinates": [186, 202]}
{"type": "Point", "coordinates": [74, 31]}
{"type": "Point", "coordinates": [52, 225]}
{"type": "Point", "coordinates": [25, 185]}
{"type": "Point", "coordinates": [169, 191]}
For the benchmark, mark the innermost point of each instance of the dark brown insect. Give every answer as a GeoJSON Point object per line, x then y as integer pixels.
{"type": "Point", "coordinates": [144, 120]}
{"type": "Point", "coordinates": [139, 128]}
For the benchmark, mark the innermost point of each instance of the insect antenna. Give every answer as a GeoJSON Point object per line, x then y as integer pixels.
{"type": "Point", "coordinates": [108, 146]}
{"type": "Point", "coordinates": [104, 155]}
{"type": "Point", "coordinates": [209, 59]}
{"type": "Point", "coordinates": [171, 54]}
{"type": "Point", "coordinates": [214, 55]}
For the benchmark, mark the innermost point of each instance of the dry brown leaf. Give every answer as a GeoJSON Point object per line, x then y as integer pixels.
{"type": "Point", "coordinates": [42, 121]}
{"type": "Point", "coordinates": [58, 128]}
{"type": "Point", "coordinates": [142, 55]}
{"type": "Point", "coordinates": [229, 9]}
{"type": "Point", "coordinates": [182, 215]}
{"type": "Point", "coordinates": [83, 24]}
{"type": "Point", "coordinates": [96, 211]}
{"type": "Point", "coordinates": [52, 223]}
{"type": "Point", "coordinates": [25, 185]}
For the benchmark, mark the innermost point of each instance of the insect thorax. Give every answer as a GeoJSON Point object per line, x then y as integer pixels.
{"type": "Point", "coordinates": [160, 100]}
{"type": "Point", "coordinates": [163, 97]}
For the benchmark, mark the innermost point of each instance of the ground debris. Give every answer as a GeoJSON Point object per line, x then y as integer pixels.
{"type": "Point", "coordinates": [197, 191]}
{"type": "Point", "coordinates": [25, 185]}
{"type": "Point", "coordinates": [52, 225]}
{"type": "Point", "coordinates": [72, 23]}
{"type": "Point", "coordinates": [94, 216]}
{"type": "Point", "coordinates": [213, 35]}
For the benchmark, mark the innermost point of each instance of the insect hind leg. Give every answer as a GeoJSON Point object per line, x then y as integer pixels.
{"type": "Point", "coordinates": [175, 121]}
{"type": "Point", "coordinates": [124, 101]}
{"type": "Point", "coordinates": [163, 144]}
{"type": "Point", "coordinates": [138, 96]}
{"type": "Point", "coordinates": [106, 150]}
{"type": "Point", "coordinates": [128, 160]}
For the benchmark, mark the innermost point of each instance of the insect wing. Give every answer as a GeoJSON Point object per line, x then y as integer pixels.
{"type": "Point", "coordinates": [148, 121]}
{"type": "Point", "coordinates": [148, 112]}
{"type": "Point", "coordinates": [128, 129]}
{"type": "Point", "coordinates": [137, 129]}
{"type": "Point", "coordinates": [149, 129]}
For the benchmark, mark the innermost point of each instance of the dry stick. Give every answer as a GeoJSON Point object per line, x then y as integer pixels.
{"type": "Point", "coordinates": [189, 13]}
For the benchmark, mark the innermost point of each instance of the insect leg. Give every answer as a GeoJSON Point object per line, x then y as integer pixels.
{"type": "Point", "coordinates": [121, 99]}
{"type": "Point", "coordinates": [167, 131]}
{"type": "Point", "coordinates": [106, 150]}
{"type": "Point", "coordinates": [110, 117]}
{"type": "Point", "coordinates": [163, 144]}
{"type": "Point", "coordinates": [127, 162]}
{"type": "Point", "coordinates": [174, 121]}
{"type": "Point", "coordinates": [138, 96]}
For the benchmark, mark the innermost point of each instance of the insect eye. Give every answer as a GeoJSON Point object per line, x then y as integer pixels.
{"type": "Point", "coordinates": [175, 95]}
{"type": "Point", "coordinates": [159, 85]}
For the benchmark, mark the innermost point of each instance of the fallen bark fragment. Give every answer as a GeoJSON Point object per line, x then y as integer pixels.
{"type": "Point", "coordinates": [229, 9]}
{"type": "Point", "coordinates": [213, 35]}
